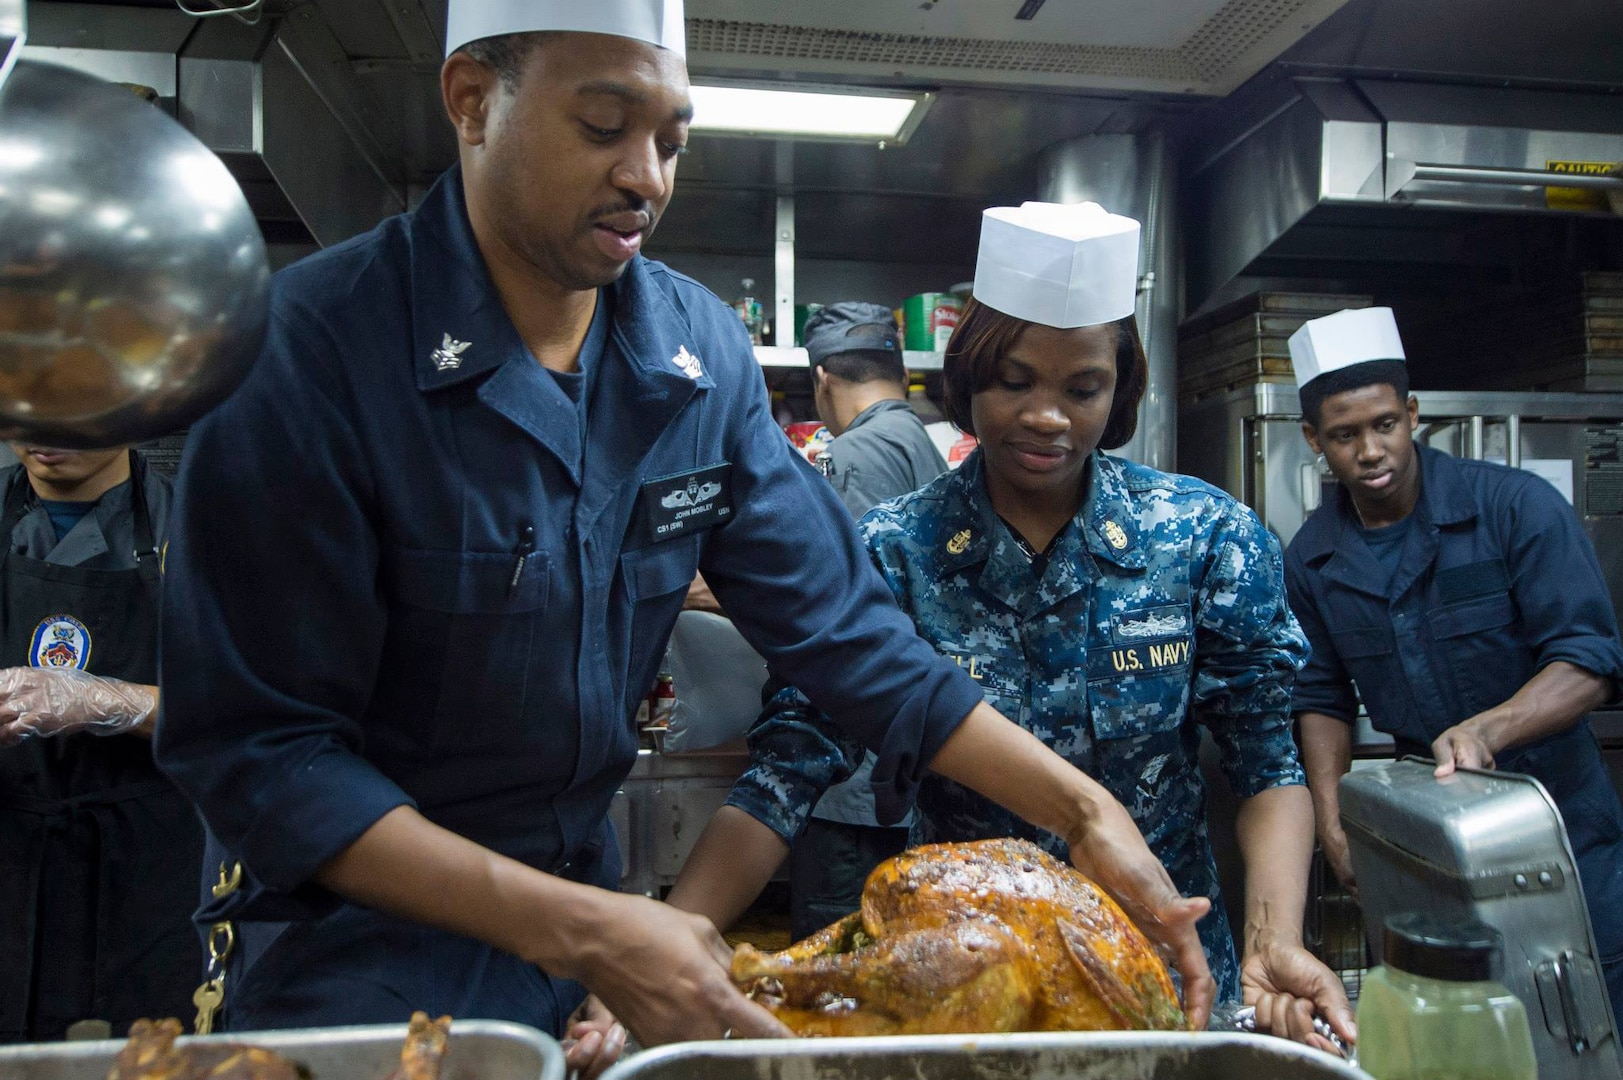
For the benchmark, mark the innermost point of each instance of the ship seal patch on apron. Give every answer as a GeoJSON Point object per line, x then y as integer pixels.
{"type": "Point", "coordinates": [60, 641]}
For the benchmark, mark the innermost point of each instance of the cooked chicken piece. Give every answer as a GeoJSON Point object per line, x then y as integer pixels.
{"type": "Point", "coordinates": [243, 1063]}
{"type": "Point", "coordinates": [994, 935]}
{"type": "Point", "coordinates": [426, 1043]}
{"type": "Point", "coordinates": [151, 1054]}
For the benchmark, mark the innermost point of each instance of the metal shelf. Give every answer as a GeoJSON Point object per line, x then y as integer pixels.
{"type": "Point", "coordinates": [776, 356]}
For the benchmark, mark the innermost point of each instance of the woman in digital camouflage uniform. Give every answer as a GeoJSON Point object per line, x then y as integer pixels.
{"type": "Point", "coordinates": [1109, 608]}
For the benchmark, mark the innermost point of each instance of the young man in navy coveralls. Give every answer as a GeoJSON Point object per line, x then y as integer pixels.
{"type": "Point", "coordinates": [1462, 599]}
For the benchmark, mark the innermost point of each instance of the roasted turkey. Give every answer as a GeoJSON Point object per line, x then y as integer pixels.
{"type": "Point", "coordinates": [994, 935]}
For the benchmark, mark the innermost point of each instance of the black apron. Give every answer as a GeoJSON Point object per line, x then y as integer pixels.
{"type": "Point", "coordinates": [99, 854]}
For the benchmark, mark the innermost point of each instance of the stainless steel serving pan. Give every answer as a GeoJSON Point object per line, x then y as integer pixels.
{"type": "Point", "coordinates": [480, 1050]}
{"type": "Point", "coordinates": [1127, 1055]}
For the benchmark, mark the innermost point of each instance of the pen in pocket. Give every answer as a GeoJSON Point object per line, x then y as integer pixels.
{"type": "Point", "coordinates": [521, 555]}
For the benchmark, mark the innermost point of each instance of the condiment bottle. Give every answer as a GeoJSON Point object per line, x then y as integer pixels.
{"type": "Point", "coordinates": [749, 310]}
{"type": "Point", "coordinates": [1436, 1009]}
{"type": "Point", "coordinates": [662, 701]}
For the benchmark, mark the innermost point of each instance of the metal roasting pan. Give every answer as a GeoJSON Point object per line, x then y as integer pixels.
{"type": "Point", "coordinates": [480, 1050]}
{"type": "Point", "coordinates": [1128, 1055]}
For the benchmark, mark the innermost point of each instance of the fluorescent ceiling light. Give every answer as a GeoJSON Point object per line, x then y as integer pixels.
{"type": "Point", "coordinates": [821, 113]}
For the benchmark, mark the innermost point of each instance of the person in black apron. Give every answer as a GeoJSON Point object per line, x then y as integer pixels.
{"type": "Point", "coordinates": [99, 854]}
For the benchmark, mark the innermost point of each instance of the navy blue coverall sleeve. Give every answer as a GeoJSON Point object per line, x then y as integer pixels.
{"type": "Point", "coordinates": [295, 791]}
{"type": "Point", "coordinates": [1323, 685]}
{"type": "Point", "coordinates": [1556, 580]}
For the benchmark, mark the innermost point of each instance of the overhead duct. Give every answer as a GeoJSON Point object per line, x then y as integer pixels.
{"type": "Point", "coordinates": [13, 31]}
{"type": "Point", "coordinates": [1134, 175]}
{"type": "Point", "coordinates": [1310, 143]}
{"type": "Point", "coordinates": [246, 94]}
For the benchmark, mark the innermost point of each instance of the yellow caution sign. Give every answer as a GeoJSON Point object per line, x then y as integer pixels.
{"type": "Point", "coordinates": [1566, 198]}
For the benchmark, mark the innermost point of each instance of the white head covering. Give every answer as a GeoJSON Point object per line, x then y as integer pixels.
{"type": "Point", "coordinates": [1354, 336]}
{"type": "Point", "coordinates": [1058, 265]}
{"type": "Point", "coordinates": [658, 22]}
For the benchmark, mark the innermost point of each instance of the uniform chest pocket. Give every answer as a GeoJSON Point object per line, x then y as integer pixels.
{"type": "Point", "coordinates": [468, 582]}
{"type": "Point", "coordinates": [1473, 616]}
{"type": "Point", "coordinates": [1139, 689]}
{"type": "Point", "coordinates": [463, 636]}
{"type": "Point", "coordinates": [1482, 649]}
{"type": "Point", "coordinates": [1130, 708]}
{"type": "Point", "coordinates": [656, 581]}
{"type": "Point", "coordinates": [1370, 655]}
{"type": "Point", "coordinates": [1482, 578]}
{"type": "Point", "coordinates": [660, 569]}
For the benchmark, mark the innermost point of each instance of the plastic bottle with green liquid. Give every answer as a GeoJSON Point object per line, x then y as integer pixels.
{"type": "Point", "coordinates": [1436, 1009]}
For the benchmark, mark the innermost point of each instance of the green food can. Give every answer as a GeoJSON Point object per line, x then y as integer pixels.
{"type": "Point", "coordinates": [930, 319]}
{"type": "Point", "coordinates": [802, 313]}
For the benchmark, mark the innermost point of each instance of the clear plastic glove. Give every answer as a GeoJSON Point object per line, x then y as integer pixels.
{"type": "Point", "coordinates": [61, 701]}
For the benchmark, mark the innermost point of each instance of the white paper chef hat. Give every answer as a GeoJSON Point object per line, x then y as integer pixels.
{"type": "Point", "coordinates": [1354, 336]}
{"type": "Point", "coordinates": [1056, 264]}
{"type": "Point", "coordinates": [658, 22]}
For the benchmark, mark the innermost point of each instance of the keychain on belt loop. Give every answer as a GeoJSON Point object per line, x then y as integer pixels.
{"type": "Point", "coordinates": [221, 940]}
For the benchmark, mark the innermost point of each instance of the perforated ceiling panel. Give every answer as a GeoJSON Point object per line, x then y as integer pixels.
{"type": "Point", "coordinates": [914, 51]}
{"type": "Point", "coordinates": [1218, 54]}
{"type": "Point", "coordinates": [1236, 30]}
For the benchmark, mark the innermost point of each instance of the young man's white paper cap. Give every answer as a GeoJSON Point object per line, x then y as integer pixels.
{"type": "Point", "coordinates": [1061, 265]}
{"type": "Point", "coordinates": [658, 22]}
{"type": "Point", "coordinates": [1353, 336]}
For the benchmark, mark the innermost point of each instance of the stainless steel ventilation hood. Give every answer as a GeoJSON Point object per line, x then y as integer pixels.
{"type": "Point", "coordinates": [251, 94]}
{"type": "Point", "coordinates": [1386, 147]}
{"type": "Point", "coordinates": [12, 33]}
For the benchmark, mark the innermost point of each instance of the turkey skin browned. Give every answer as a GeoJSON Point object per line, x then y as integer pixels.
{"type": "Point", "coordinates": [993, 935]}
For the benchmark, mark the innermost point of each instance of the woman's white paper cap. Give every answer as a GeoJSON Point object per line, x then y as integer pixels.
{"type": "Point", "coordinates": [1061, 265]}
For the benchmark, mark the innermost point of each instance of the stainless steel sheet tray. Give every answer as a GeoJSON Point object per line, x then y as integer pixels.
{"type": "Point", "coordinates": [1127, 1055]}
{"type": "Point", "coordinates": [480, 1050]}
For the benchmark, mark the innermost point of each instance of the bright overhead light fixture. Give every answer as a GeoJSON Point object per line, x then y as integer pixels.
{"type": "Point", "coordinates": [885, 117]}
